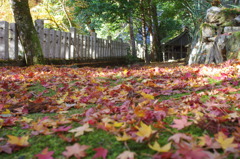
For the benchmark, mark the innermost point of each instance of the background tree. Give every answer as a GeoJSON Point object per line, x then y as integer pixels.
{"type": "Point", "coordinates": [27, 32]}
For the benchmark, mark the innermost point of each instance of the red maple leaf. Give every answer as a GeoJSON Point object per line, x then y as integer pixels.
{"type": "Point", "coordinates": [45, 154]}
{"type": "Point", "coordinates": [62, 129]}
{"type": "Point", "coordinates": [100, 153]}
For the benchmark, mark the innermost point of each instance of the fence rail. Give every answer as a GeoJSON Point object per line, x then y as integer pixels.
{"type": "Point", "coordinates": [61, 45]}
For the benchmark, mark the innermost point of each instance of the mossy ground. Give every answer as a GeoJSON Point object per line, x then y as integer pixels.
{"type": "Point", "coordinates": [95, 139]}
{"type": "Point", "coordinates": [98, 137]}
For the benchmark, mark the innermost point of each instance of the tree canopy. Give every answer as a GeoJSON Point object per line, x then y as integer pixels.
{"type": "Point", "coordinates": [126, 19]}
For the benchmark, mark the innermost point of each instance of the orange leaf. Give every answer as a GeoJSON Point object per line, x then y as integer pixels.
{"type": "Point", "coordinates": [18, 141]}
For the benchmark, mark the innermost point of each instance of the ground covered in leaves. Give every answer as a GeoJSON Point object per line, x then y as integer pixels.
{"type": "Point", "coordinates": [127, 112]}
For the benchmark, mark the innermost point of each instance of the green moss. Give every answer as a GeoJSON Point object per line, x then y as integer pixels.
{"type": "Point", "coordinates": [38, 88]}
{"type": "Point", "coordinates": [233, 51]}
{"type": "Point", "coordinates": [231, 11]}
{"type": "Point", "coordinates": [204, 25]}
{"type": "Point", "coordinates": [237, 35]}
{"type": "Point", "coordinates": [230, 23]}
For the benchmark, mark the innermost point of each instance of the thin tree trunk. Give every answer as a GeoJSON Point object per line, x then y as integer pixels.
{"type": "Point", "coordinates": [156, 34]}
{"type": "Point", "coordinates": [144, 32]}
{"type": "Point", "coordinates": [132, 37]}
{"type": "Point", "coordinates": [236, 2]}
{"type": "Point", "coordinates": [27, 32]}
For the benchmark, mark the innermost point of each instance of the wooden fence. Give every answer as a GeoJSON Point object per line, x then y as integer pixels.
{"type": "Point", "coordinates": [61, 45]}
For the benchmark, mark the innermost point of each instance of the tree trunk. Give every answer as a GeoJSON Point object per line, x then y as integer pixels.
{"type": "Point", "coordinates": [132, 37]}
{"type": "Point", "coordinates": [144, 32]}
{"type": "Point", "coordinates": [236, 2]}
{"type": "Point", "coordinates": [27, 32]}
{"type": "Point", "coordinates": [156, 34]}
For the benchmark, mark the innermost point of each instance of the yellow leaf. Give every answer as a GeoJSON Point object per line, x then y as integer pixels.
{"type": "Point", "coordinates": [139, 112]}
{"type": "Point", "coordinates": [224, 141]}
{"type": "Point", "coordinates": [7, 111]}
{"type": "Point", "coordinates": [116, 124]}
{"type": "Point", "coordinates": [171, 111]}
{"type": "Point", "coordinates": [27, 120]}
{"type": "Point", "coordinates": [125, 137]}
{"type": "Point", "coordinates": [1, 122]}
{"type": "Point", "coordinates": [147, 96]}
{"type": "Point", "coordinates": [144, 130]}
{"type": "Point", "coordinates": [60, 101]}
{"type": "Point", "coordinates": [125, 71]}
{"type": "Point", "coordinates": [158, 148]}
{"type": "Point", "coordinates": [18, 141]}
{"type": "Point", "coordinates": [100, 88]}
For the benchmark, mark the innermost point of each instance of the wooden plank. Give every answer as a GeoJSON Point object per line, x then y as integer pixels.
{"type": "Point", "coordinates": [100, 49]}
{"type": "Point", "coordinates": [109, 38]}
{"type": "Point", "coordinates": [114, 49]}
{"type": "Point", "coordinates": [63, 45]}
{"type": "Point", "coordinates": [88, 48]}
{"type": "Point", "coordinates": [46, 43]}
{"type": "Point", "coordinates": [13, 42]}
{"type": "Point", "coordinates": [85, 47]}
{"type": "Point", "coordinates": [58, 44]}
{"type": "Point", "coordinates": [4, 45]}
{"type": "Point", "coordinates": [80, 47]}
{"type": "Point", "coordinates": [52, 44]}
{"type": "Point", "coordinates": [121, 45]}
{"type": "Point", "coordinates": [94, 37]}
{"type": "Point", "coordinates": [76, 55]}
{"type": "Point", "coordinates": [73, 43]}
{"type": "Point", "coordinates": [105, 48]}
{"type": "Point", "coordinates": [68, 48]}
{"type": "Point", "coordinates": [39, 25]}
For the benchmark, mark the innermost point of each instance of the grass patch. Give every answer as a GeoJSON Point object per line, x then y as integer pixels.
{"type": "Point", "coordinates": [38, 88]}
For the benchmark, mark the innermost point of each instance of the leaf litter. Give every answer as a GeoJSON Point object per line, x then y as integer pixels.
{"type": "Point", "coordinates": [136, 104]}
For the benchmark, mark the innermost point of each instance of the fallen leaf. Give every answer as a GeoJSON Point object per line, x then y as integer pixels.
{"type": "Point", "coordinates": [76, 150]}
{"type": "Point", "coordinates": [62, 129]}
{"type": "Point", "coordinates": [181, 123]}
{"type": "Point", "coordinates": [177, 137]}
{"type": "Point", "coordinates": [158, 148]}
{"type": "Point", "coordinates": [61, 100]}
{"type": "Point", "coordinates": [80, 130]}
{"type": "Point", "coordinates": [100, 153]}
{"type": "Point", "coordinates": [1, 122]}
{"type": "Point", "coordinates": [27, 120]}
{"type": "Point", "coordinates": [147, 96]}
{"type": "Point", "coordinates": [126, 155]}
{"type": "Point", "coordinates": [224, 141]}
{"type": "Point", "coordinates": [45, 154]}
{"type": "Point", "coordinates": [6, 148]}
{"type": "Point", "coordinates": [144, 130]}
{"type": "Point", "coordinates": [18, 141]}
{"type": "Point", "coordinates": [125, 137]}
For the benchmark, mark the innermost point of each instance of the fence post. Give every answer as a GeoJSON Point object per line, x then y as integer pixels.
{"type": "Point", "coordinates": [80, 45]}
{"type": "Point", "coordinates": [4, 28]}
{"type": "Point", "coordinates": [121, 48]}
{"type": "Point", "coordinates": [73, 44]}
{"type": "Point", "coordinates": [63, 41]}
{"type": "Point", "coordinates": [52, 49]}
{"type": "Point", "coordinates": [13, 42]}
{"type": "Point", "coordinates": [109, 38]}
{"type": "Point", "coordinates": [46, 43]}
{"type": "Point", "coordinates": [94, 41]}
{"type": "Point", "coordinates": [39, 25]}
{"type": "Point", "coordinates": [58, 44]}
